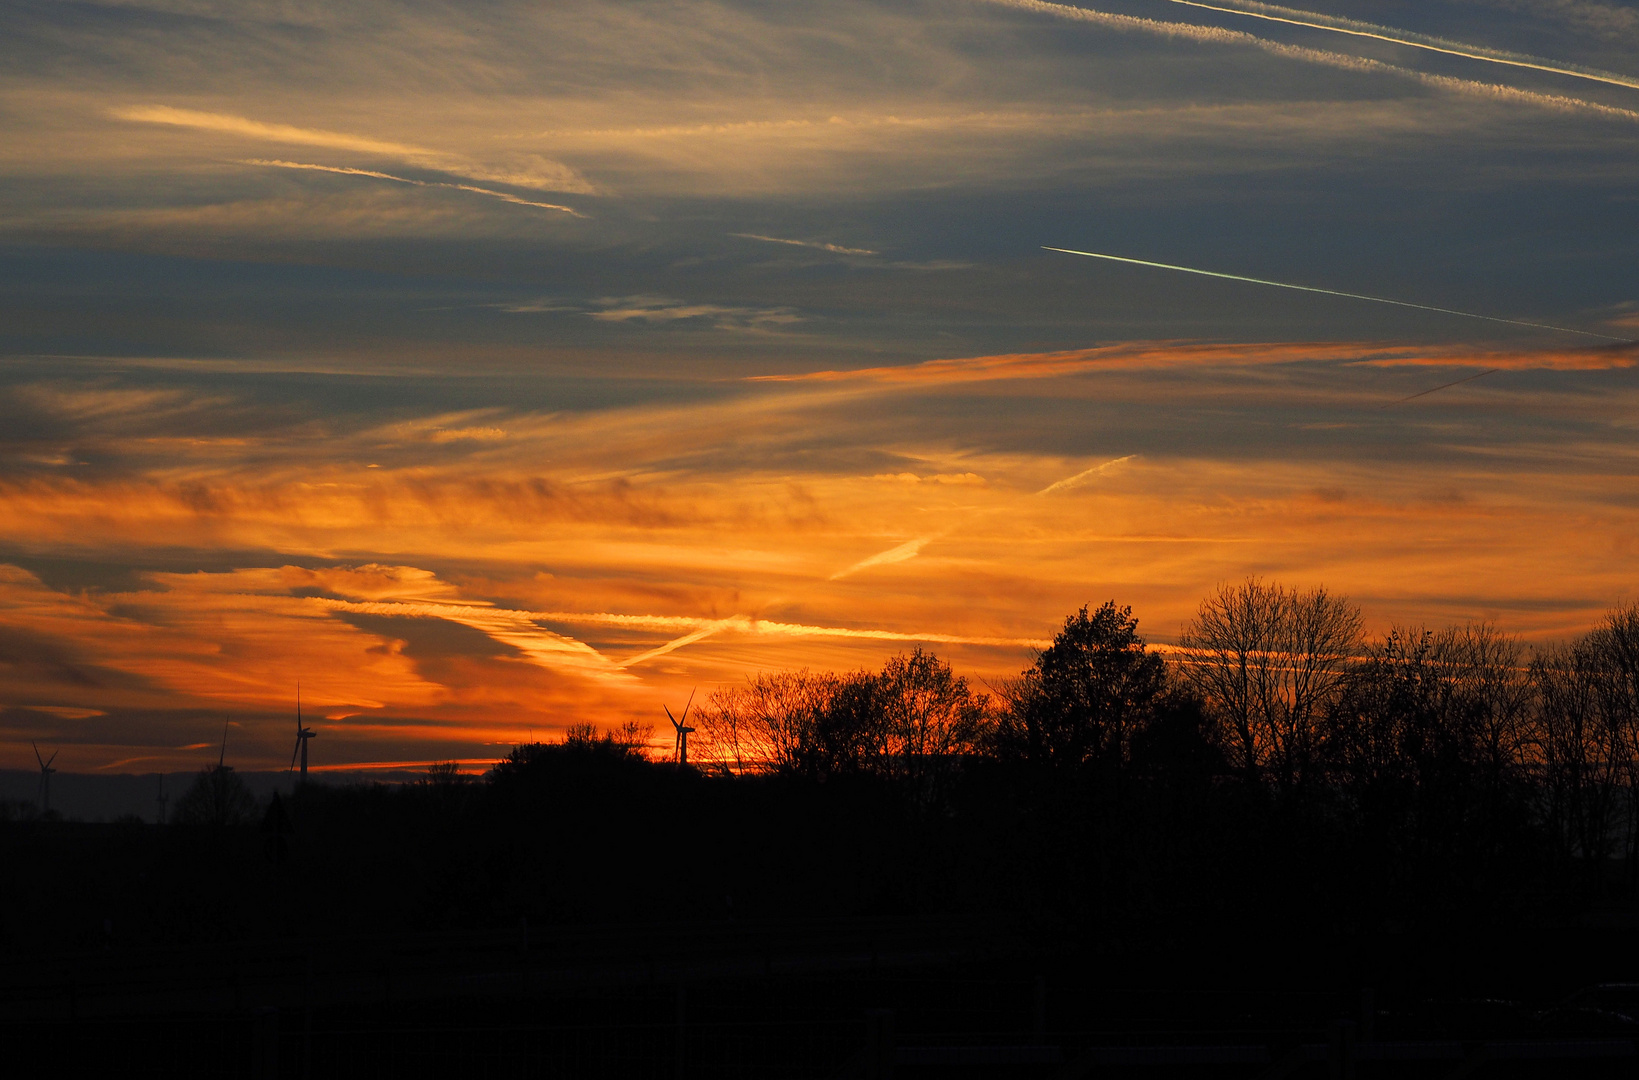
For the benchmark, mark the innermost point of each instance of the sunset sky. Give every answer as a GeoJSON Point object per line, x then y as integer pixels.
{"type": "Point", "coordinates": [494, 367]}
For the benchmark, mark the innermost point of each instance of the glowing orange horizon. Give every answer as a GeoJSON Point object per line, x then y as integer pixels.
{"type": "Point", "coordinates": [436, 587]}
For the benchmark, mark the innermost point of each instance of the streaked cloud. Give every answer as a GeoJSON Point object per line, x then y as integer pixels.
{"type": "Point", "coordinates": [1357, 28]}
{"type": "Point", "coordinates": [1158, 355]}
{"type": "Point", "coordinates": [256, 129]}
{"type": "Point", "coordinates": [1084, 475]}
{"type": "Point", "coordinates": [835, 249]}
{"type": "Point", "coordinates": [1219, 36]}
{"type": "Point", "coordinates": [514, 628]}
{"type": "Point", "coordinates": [910, 549]}
{"type": "Point", "coordinates": [544, 174]}
{"type": "Point", "coordinates": [662, 309]}
{"type": "Point", "coordinates": [503, 196]}
{"type": "Point", "coordinates": [1334, 292]}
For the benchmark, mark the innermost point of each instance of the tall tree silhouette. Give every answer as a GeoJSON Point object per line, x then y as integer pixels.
{"type": "Point", "coordinates": [1087, 694]}
{"type": "Point", "coordinates": [1268, 660]}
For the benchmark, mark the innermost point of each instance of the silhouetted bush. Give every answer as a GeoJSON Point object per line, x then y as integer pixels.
{"type": "Point", "coordinates": [217, 797]}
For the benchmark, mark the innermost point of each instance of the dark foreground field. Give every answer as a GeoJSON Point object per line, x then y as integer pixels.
{"type": "Point", "coordinates": [823, 998]}
{"type": "Point", "coordinates": [1122, 868]}
{"type": "Point", "coordinates": [590, 913]}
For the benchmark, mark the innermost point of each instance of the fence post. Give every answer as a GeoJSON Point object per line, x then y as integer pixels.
{"type": "Point", "coordinates": [264, 1042]}
{"type": "Point", "coordinates": [879, 1044]}
{"type": "Point", "coordinates": [307, 1015]}
{"type": "Point", "coordinates": [523, 943]}
{"type": "Point", "coordinates": [1341, 1057]}
{"type": "Point", "coordinates": [682, 1058]}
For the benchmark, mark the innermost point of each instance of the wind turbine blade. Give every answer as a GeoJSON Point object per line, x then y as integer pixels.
{"type": "Point", "coordinates": [672, 718]}
{"type": "Point", "coordinates": [222, 757]}
{"type": "Point", "coordinates": [690, 702]}
{"type": "Point", "coordinates": [42, 760]}
{"type": "Point", "coordinates": [52, 758]}
{"type": "Point", "coordinates": [294, 752]}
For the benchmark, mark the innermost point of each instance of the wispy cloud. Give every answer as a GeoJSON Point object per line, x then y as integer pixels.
{"type": "Point", "coordinates": [535, 171]}
{"type": "Point", "coordinates": [767, 628]}
{"type": "Point", "coordinates": [256, 129]}
{"type": "Point", "coordinates": [1356, 28]}
{"type": "Point", "coordinates": [837, 249]}
{"type": "Point", "coordinates": [1084, 476]}
{"type": "Point", "coordinates": [910, 549]}
{"type": "Point", "coordinates": [662, 309]}
{"type": "Point", "coordinates": [515, 628]}
{"type": "Point", "coordinates": [1333, 292]}
{"type": "Point", "coordinates": [1160, 355]}
{"type": "Point", "coordinates": [522, 629]}
{"type": "Point", "coordinates": [1219, 36]}
{"type": "Point", "coordinates": [1129, 355]}
{"type": "Point", "coordinates": [672, 646]}
{"type": "Point", "coordinates": [502, 195]}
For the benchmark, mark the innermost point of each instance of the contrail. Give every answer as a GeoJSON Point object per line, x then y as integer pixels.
{"type": "Point", "coordinates": [274, 163]}
{"type": "Point", "coordinates": [1335, 292]}
{"type": "Point", "coordinates": [835, 248]}
{"type": "Point", "coordinates": [910, 549]}
{"type": "Point", "coordinates": [1442, 386]}
{"type": "Point", "coordinates": [515, 628]}
{"type": "Point", "coordinates": [1083, 476]}
{"type": "Point", "coordinates": [671, 646]}
{"type": "Point", "coordinates": [1218, 35]}
{"type": "Point", "coordinates": [548, 649]}
{"type": "Point", "coordinates": [1354, 28]}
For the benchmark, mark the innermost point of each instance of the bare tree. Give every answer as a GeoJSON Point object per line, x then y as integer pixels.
{"type": "Point", "coordinates": [631, 738]}
{"type": "Point", "coordinates": [895, 722]}
{"type": "Point", "coordinates": [1429, 736]}
{"type": "Point", "coordinates": [1268, 660]}
{"type": "Point", "coordinates": [1616, 643]}
{"type": "Point", "coordinates": [930, 717]}
{"type": "Point", "coordinates": [1486, 682]}
{"type": "Point", "coordinates": [768, 723]}
{"type": "Point", "coordinates": [1581, 743]}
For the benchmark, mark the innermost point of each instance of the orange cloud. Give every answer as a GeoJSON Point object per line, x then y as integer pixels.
{"type": "Point", "coordinates": [1140, 356]}
{"type": "Point", "coordinates": [595, 566]}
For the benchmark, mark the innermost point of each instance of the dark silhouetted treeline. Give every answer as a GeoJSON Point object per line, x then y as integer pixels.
{"type": "Point", "coordinates": [1275, 779]}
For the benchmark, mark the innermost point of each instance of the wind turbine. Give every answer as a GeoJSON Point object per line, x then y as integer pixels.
{"type": "Point", "coordinates": [45, 778]}
{"type": "Point", "coordinates": [682, 730]}
{"type": "Point", "coordinates": [161, 799]}
{"type": "Point", "coordinates": [302, 735]}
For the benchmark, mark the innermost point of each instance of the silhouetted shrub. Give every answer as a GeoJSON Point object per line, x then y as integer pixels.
{"type": "Point", "coordinates": [217, 797]}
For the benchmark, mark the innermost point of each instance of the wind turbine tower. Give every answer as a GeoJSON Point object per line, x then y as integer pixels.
{"type": "Point", "coordinates": [45, 777]}
{"type": "Point", "coordinates": [683, 730]}
{"type": "Point", "coordinates": [302, 735]}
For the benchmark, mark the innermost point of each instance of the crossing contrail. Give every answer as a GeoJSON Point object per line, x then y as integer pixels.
{"type": "Point", "coordinates": [1335, 292]}
{"type": "Point", "coordinates": [1355, 28]}
{"type": "Point", "coordinates": [1442, 386]}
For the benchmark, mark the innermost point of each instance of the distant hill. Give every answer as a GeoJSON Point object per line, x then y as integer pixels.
{"type": "Point", "coordinates": [106, 796]}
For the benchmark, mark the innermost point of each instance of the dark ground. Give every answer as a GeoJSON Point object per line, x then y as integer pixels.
{"type": "Point", "coordinates": [598, 915]}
